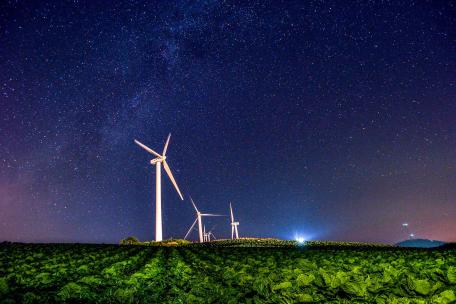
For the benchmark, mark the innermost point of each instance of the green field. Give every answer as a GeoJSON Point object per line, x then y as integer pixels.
{"type": "Point", "coordinates": [217, 274]}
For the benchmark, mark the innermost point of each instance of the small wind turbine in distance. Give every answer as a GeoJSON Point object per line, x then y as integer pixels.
{"type": "Point", "coordinates": [234, 226]}
{"type": "Point", "coordinates": [208, 235]}
{"type": "Point", "coordinates": [211, 235]}
{"type": "Point", "coordinates": [199, 220]}
{"type": "Point", "coordinates": [158, 161]}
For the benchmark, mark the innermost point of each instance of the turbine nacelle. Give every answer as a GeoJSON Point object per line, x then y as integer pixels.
{"type": "Point", "coordinates": [162, 159]}
{"type": "Point", "coordinates": [156, 160]}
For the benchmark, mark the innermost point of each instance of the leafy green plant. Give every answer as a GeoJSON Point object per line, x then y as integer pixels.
{"type": "Point", "coordinates": [3, 286]}
{"type": "Point", "coordinates": [70, 291]}
{"type": "Point", "coordinates": [451, 274]}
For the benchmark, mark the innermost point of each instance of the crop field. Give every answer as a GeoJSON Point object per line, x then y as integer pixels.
{"type": "Point", "coordinates": [67, 273]}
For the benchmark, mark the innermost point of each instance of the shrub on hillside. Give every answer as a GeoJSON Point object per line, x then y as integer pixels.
{"type": "Point", "coordinates": [169, 243]}
{"type": "Point", "coordinates": [166, 243]}
{"type": "Point", "coordinates": [131, 240]}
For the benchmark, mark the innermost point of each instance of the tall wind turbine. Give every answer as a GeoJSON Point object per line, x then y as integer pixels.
{"type": "Point", "coordinates": [234, 225]}
{"type": "Point", "coordinates": [199, 220]}
{"type": "Point", "coordinates": [158, 161]}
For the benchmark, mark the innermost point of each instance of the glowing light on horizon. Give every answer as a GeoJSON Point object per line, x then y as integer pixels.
{"type": "Point", "coordinates": [300, 239]}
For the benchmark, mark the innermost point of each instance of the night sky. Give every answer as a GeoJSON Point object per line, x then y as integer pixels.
{"type": "Point", "coordinates": [330, 121]}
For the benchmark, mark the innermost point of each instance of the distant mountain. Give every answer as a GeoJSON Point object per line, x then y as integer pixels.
{"type": "Point", "coordinates": [449, 246]}
{"type": "Point", "coordinates": [420, 243]}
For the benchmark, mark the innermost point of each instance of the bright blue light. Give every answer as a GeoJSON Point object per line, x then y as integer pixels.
{"type": "Point", "coordinates": [300, 239]}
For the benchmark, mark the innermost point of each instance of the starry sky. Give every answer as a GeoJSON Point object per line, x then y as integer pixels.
{"type": "Point", "coordinates": [328, 120]}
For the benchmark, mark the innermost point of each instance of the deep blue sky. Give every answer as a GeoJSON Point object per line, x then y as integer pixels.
{"type": "Point", "coordinates": [331, 120]}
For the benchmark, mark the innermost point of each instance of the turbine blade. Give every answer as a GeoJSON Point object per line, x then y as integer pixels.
{"type": "Point", "coordinates": [193, 203]}
{"type": "Point", "coordinates": [166, 144]}
{"type": "Point", "coordinates": [171, 177]}
{"type": "Point", "coordinates": [210, 214]}
{"type": "Point", "coordinates": [232, 216]}
{"type": "Point", "coordinates": [191, 228]}
{"type": "Point", "coordinates": [210, 231]}
{"type": "Point", "coordinates": [147, 148]}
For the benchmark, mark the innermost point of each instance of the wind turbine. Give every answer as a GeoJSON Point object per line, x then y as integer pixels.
{"type": "Point", "coordinates": [234, 225]}
{"type": "Point", "coordinates": [210, 234]}
{"type": "Point", "coordinates": [158, 161]}
{"type": "Point", "coordinates": [199, 220]}
{"type": "Point", "coordinates": [207, 235]}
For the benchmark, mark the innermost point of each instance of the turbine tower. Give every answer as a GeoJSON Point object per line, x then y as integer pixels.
{"type": "Point", "coordinates": [158, 161]}
{"type": "Point", "coordinates": [234, 226]}
{"type": "Point", "coordinates": [199, 220]}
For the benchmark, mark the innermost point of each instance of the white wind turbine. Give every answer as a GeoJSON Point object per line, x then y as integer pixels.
{"type": "Point", "coordinates": [199, 219]}
{"type": "Point", "coordinates": [158, 161]}
{"type": "Point", "coordinates": [205, 234]}
{"type": "Point", "coordinates": [211, 235]}
{"type": "Point", "coordinates": [208, 235]}
{"type": "Point", "coordinates": [234, 225]}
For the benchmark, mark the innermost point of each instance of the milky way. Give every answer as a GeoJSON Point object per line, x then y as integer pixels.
{"type": "Point", "coordinates": [325, 120]}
